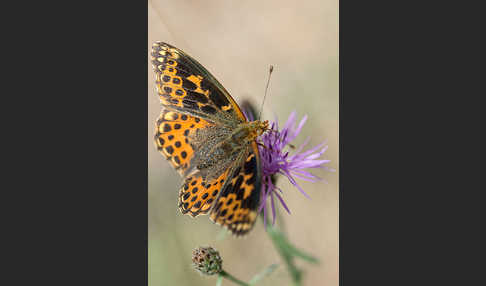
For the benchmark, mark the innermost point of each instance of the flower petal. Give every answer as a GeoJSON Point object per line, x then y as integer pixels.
{"type": "Point", "coordinates": [290, 120]}
{"type": "Point", "coordinates": [278, 159]}
{"type": "Point", "coordinates": [273, 208]}
{"type": "Point", "coordinates": [282, 202]}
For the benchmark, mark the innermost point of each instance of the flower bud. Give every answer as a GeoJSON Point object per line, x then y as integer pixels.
{"type": "Point", "coordinates": [206, 260]}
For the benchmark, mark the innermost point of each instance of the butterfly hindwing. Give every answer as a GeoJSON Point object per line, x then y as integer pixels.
{"type": "Point", "coordinates": [173, 135]}
{"type": "Point", "coordinates": [197, 196]}
{"type": "Point", "coordinates": [236, 206]}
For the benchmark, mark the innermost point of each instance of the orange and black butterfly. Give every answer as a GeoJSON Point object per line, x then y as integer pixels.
{"type": "Point", "coordinates": [206, 137]}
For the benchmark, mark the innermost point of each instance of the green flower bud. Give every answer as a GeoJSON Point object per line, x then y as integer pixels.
{"type": "Point", "coordinates": [206, 260]}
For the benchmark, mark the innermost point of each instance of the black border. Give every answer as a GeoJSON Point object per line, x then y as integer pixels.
{"type": "Point", "coordinates": [77, 154]}
{"type": "Point", "coordinates": [405, 70]}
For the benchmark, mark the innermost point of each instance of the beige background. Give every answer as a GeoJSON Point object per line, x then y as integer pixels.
{"type": "Point", "coordinates": [237, 41]}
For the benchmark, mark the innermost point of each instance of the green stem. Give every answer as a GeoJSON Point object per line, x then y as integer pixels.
{"type": "Point", "coordinates": [229, 277]}
{"type": "Point", "coordinates": [279, 241]}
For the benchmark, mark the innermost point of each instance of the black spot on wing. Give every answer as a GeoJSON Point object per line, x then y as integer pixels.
{"type": "Point", "coordinates": [188, 85]}
{"type": "Point", "coordinates": [223, 213]}
{"type": "Point", "coordinates": [184, 66]}
{"type": "Point", "coordinates": [169, 149]}
{"type": "Point", "coordinates": [250, 166]}
{"type": "Point", "coordinates": [239, 196]}
{"type": "Point", "coordinates": [181, 72]}
{"type": "Point", "coordinates": [246, 203]}
{"type": "Point", "coordinates": [251, 180]}
{"type": "Point", "coordinates": [252, 202]}
{"type": "Point", "coordinates": [190, 104]}
{"type": "Point", "coordinates": [208, 109]}
{"type": "Point", "coordinates": [216, 96]}
{"type": "Point", "coordinates": [230, 188]}
{"type": "Point", "coordinates": [196, 96]}
{"type": "Point", "coordinates": [167, 89]}
{"type": "Point", "coordinates": [167, 127]}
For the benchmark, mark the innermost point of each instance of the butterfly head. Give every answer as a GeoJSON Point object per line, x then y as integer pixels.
{"type": "Point", "coordinates": [257, 128]}
{"type": "Point", "coordinates": [262, 127]}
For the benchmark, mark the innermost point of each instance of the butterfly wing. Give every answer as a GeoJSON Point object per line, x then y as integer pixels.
{"type": "Point", "coordinates": [186, 86]}
{"type": "Point", "coordinates": [194, 99]}
{"type": "Point", "coordinates": [237, 205]}
{"type": "Point", "coordinates": [197, 196]}
{"type": "Point", "coordinates": [173, 138]}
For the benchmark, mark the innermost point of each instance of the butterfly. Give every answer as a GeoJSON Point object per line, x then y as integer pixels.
{"type": "Point", "coordinates": [206, 137]}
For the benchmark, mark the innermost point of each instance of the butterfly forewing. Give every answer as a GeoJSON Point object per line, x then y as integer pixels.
{"type": "Point", "coordinates": [183, 84]}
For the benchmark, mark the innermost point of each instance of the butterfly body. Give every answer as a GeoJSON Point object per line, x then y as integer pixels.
{"type": "Point", "coordinates": [215, 152]}
{"type": "Point", "coordinates": [208, 140]}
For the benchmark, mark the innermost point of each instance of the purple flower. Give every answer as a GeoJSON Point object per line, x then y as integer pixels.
{"type": "Point", "coordinates": [277, 159]}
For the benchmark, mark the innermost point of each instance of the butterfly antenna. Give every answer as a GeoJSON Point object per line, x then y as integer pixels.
{"type": "Point", "coordinates": [266, 88]}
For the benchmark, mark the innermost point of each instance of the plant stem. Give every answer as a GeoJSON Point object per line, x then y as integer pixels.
{"type": "Point", "coordinates": [279, 240]}
{"type": "Point", "coordinates": [229, 277]}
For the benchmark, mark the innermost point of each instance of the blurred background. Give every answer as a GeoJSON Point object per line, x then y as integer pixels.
{"type": "Point", "coordinates": [237, 41]}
